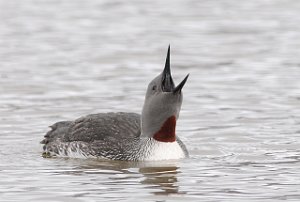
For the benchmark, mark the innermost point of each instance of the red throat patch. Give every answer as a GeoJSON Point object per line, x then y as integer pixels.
{"type": "Point", "coordinates": [167, 131]}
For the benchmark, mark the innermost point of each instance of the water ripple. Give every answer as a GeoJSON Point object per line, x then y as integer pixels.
{"type": "Point", "coordinates": [240, 118]}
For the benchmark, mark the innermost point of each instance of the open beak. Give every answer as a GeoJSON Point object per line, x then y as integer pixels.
{"type": "Point", "coordinates": [167, 83]}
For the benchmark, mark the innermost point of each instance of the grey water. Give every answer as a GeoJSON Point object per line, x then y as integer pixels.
{"type": "Point", "coordinates": [240, 118]}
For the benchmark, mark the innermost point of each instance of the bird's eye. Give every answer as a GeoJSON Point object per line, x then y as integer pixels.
{"type": "Point", "coordinates": [154, 87]}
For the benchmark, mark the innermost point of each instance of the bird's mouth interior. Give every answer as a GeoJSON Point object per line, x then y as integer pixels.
{"type": "Point", "coordinates": [167, 83]}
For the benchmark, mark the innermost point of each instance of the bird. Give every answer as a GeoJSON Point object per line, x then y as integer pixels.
{"type": "Point", "coordinates": [126, 136]}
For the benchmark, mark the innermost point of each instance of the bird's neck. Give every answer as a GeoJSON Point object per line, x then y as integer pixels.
{"type": "Point", "coordinates": [167, 131]}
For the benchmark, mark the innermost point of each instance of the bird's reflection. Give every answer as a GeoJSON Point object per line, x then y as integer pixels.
{"type": "Point", "coordinates": [160, 177]}
{"type": "Point", "coordinates": [164, 178]}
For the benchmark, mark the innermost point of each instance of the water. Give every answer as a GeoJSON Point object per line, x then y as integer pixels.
{"type": "Point", "coordinates": [240, 119]}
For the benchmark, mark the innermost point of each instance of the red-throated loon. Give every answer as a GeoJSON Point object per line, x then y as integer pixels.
{"type": "Point", "coordinates": [126, 136]}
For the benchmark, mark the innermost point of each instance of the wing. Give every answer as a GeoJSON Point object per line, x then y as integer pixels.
{"type": "Point", "coordinates": [104, 126]}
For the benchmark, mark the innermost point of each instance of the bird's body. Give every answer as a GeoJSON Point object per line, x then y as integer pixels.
{"type": "Point", "coordinates": [124, 136]}
{"type": "Point", "coordinates": [108, 135]}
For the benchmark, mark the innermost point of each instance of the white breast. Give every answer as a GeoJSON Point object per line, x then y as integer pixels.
{"type": "Point", "coordinates": [157, 151]}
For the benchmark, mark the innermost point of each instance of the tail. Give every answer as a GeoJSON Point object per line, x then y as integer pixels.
{"type": "Point", "coordinates": [57, 134]}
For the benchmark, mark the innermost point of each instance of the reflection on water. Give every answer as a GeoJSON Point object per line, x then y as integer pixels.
{"type": "Point", "coordinates": [240, 116]}
{"type": "Point", "coordinates": [162, 177]}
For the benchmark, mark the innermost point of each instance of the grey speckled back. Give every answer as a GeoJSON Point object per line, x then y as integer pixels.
{"type": "Point", "coordinates": [98, 129]}
{"type": "Point", "coordinates": [105, 125]}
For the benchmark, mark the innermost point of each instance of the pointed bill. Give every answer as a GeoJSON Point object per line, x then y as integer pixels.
{"type": "Point", "coordinates": [180, 86]}
{"type": "Point", "coordinates": [167, 83]}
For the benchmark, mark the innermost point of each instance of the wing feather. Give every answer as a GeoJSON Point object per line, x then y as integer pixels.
{"type": "Point", "coordinates": [105, 125]}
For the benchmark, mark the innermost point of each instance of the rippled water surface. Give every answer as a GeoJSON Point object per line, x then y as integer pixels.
{"type": "Point", "coordinates": [240, 119]}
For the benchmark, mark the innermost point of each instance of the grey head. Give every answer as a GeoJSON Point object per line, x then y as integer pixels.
{"type": "Point", "coordinates": [162, 105]}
